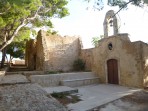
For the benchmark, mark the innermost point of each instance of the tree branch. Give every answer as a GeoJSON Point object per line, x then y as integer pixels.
{"type": "Point", "coordinates": [35, 15]}
{"type": "Point", "coordinates": [13, 35]}
{"type": "Point", "coordinates": [5, 11]}
{"type": "Point", "coordinates": [122, 8]}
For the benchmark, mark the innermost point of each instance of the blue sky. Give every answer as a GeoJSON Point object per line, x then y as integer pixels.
{"type": "Point", "coordinates": [89, 23]}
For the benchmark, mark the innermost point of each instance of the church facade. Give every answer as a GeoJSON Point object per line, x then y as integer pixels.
{"type": "Point", "coordinates": [117, 60]}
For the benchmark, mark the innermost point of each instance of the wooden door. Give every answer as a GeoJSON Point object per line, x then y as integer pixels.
{"type": "Point", "coordinates": [112, 69]}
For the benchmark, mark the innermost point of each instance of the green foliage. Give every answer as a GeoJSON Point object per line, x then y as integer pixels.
{"type": "Point", "coordinates": [23, 34]}
{"type": "Point", "coordinates": [54, 72]}
{"type": "Point", "coordinates": [15, 14]}
{"type": "Point", "coordinates": [95, 40]}
{"type": "Point", "coordinates": [123, 3]}
{"type": "Point", "coordinates": [16, 49]}
{"type": "Point", "coordinates": [99, 4]}
{"type": "Point", "coordinates": [51, 72]}
{"type": "Point", "coordinates": [66, 97]}
{"type": "Point", "coordinates": [79, 65]}
{"type": "Point", "coordinates": [119, 3]}
{"type": "Point", "coordinates": [52, 32]}
{"type": "Point", "coordinates": [58, 95]}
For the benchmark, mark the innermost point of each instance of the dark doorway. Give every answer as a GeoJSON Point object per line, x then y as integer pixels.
{"type": "Point", "coordinates": [112, 70]}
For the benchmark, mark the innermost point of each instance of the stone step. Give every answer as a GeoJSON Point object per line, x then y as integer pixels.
{"type": "Point", "coordinates": [26, 73]}
{"type": "Point", "coordinates": [60, 89]}
{"type": "Point", "coordinates": [14, 79]}
{"type": "Point", "coordinates": [55, 79]}
{"type": "Point", "coordinates": [80, 82]}
{"type": "Point", "coordinates": [13, 73]}
{"type": "Point", "coordinates": [16, 70]}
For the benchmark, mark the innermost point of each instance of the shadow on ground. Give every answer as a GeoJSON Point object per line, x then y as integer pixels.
{"type": "Point", "coordinates": [137, 101]}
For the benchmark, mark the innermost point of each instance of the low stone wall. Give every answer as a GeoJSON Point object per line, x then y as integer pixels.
{"type": "Point", "coordinates": [28, 73]}
{"type": "Point", "coordinates": [55, 79]}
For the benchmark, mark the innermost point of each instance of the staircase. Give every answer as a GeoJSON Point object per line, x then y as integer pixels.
{"type": "Point", "coordinates": [17, 69]}
{"type": "Point", "coordinates": [66, 79]}
{"type": "Point", "coordinates": [80, 82]}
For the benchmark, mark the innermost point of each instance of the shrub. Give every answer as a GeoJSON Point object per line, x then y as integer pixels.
{"type": "Point", "coordinates": [58, 95]}
{"type": "Point", "coordinates": [51, 72]}
{"type": "Point", "coordinates": [79, 65]}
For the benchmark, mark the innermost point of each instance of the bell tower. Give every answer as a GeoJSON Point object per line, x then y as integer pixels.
{"type": "Point", "coordinates": [110, 21]}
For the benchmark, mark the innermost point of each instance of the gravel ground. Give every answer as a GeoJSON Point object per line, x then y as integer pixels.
{"type": "Point", "coordinates": [27, 97]}
{"type": "Point", "coordinates": [137, 101]}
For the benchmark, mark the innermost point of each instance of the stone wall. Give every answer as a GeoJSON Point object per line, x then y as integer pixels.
{"type": "Point", "coordinates": [87, 56]}
{"type": "Point", "coordinates": [129, 56]}
{"type": "Point", "coordinates": [41, 50]}
{"type": "Point", "coordinates": [49, 80]}
{"type": "Point", "coordinates": [30, 54]}
{"type": "Point", "coordinates": [145, 59]}
{"type": "Point", "coordinates": [56, 53]}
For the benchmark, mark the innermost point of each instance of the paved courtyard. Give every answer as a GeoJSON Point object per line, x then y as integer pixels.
{"type": "Point", "coordinates": [17, 94]}
{"type": "Point", "coordinates": [96, 95]}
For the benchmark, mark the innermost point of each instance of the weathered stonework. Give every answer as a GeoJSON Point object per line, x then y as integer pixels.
{"type": "Point", "coordinates": [41, 50]}
{"type": "Point", "coordinates": [30, 56]}
{"type": "Point", "coordinates": [131, 57]}
{"type": "Point", "coordinates": [145, 65]}
{"type": "Point", "coordinates": [117, 60]}
{"type": "Point", "coordinates": [87, 56]}
{"type": "Point", "coordinates": [53, 52]}
{"type": "Point", "coordinates": [110, 19]}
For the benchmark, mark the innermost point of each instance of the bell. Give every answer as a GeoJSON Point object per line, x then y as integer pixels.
{"type": "Point", "coordinates": [111, 22]}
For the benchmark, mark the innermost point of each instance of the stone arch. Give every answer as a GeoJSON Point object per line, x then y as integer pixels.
{"type": "Point", "coordinates": [110, 16]}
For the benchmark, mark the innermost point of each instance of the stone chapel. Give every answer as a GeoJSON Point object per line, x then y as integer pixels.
{"type": "Point", "coordinates": [119, 61]}
{"type": "Point", "coordinates": [116, 60]}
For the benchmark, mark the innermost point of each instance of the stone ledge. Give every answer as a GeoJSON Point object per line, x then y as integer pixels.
{"type": "Point", "coordinates": [55, 79]}
{"type": "Point", "coordinates": [80, 79]}
{"type": "Point", "coordinates": [80, 82]}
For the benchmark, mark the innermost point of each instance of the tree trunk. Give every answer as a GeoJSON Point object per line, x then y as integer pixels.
{"type": "Point", "coordinates": [3, 57]}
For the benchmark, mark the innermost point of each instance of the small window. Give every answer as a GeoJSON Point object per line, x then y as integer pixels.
{"type": "Point", "coordinates": [110, 46]}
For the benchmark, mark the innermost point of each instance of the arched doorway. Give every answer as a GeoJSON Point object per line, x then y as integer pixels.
{"type": "Point", "coordinates": [112, 71]}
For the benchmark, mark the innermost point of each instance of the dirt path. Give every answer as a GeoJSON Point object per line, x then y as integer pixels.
{"type": "Point", "coordinates": [138, 101]}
